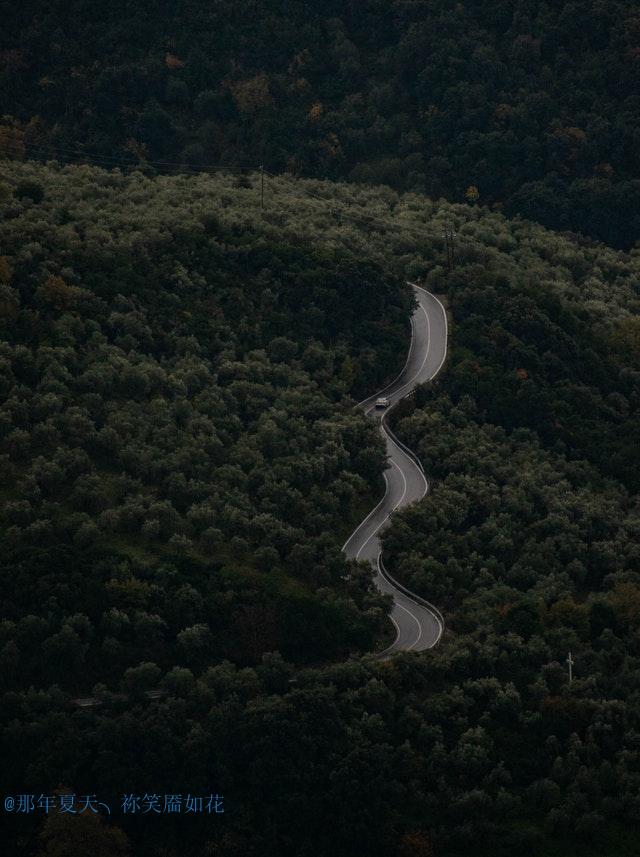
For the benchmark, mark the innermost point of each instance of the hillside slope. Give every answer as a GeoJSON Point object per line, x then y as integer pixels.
{"type": "Point", "coordinates": [181, 461]}
{"type": "Point", "coordinates": [533, 104]}
{"type": "Point", "coordinates": [176, 445]}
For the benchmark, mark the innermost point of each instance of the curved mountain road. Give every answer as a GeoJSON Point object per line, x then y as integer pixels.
{"type": "Point", "coordinates": [419, 625]}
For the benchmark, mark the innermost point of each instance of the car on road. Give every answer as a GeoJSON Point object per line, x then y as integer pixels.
{"type": "Point", "coordinates": [382, 402]}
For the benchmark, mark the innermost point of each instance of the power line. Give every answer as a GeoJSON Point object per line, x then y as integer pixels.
{"type": "Point", "coordinates": [344, 211]}
{"type": "Point", "coordinates": [349, 214]}
{"type": "Point", "coordinates": [52, 152]}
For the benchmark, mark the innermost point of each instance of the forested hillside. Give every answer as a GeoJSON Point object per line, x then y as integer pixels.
{"type": "Point", "coordinates": [525, 104]}
{"type": "Point", "coordinates": [529, 542]}
{"type": "Point", "coordinates": [176, 451]}
{"type": "Point", "coordinates": [181, 462]}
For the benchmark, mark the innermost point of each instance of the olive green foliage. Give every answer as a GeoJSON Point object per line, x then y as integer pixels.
{"type": "Point", "coordinates": [526, 104]}
{"type": "Point", "coordinates": [529, 360]}
{"type": "Point", "coordinates": [175, 410]}
{"type": "Point", "coordinates": [175, 311]}
{"type": "Point", "coordinates": [528, 540]}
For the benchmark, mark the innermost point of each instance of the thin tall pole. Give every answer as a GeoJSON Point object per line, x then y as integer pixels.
{"type": "Point", "coordinates": [452, 236]}
{"type": "Point", "coordinates": [261, 185]}
{"type": "Point", "coordinates": [449, 235]}
{"type": "Point", "coordinates": [445, 235]}
{"type": "Point", "coordinates": [570, 661]}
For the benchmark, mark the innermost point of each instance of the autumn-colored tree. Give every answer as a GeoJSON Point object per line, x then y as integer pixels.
{"type": "Point", "coordinates": [78, 834]}
{"type": "Point", "coordinates": [315, 111]}
{"type": "Point", "coordinates": [472, 194]}
{"type": "Point", "coordinates": [416, 844]}
{"type": "Point", "coordinates": [57, 294]}
{"type": "Point", "coordinates": [173, 61]}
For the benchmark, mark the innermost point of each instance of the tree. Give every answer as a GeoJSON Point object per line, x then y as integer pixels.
{"type": "Point", "coordinates": [416, 844]}
{"type": "Point", "coordinates": [32, 190]}
{"type": "Point", "coordinates": [138, 680]}
{"type": "Point", "coordinates": [252, 94]}
{"type": "Point", "coordinates": [472, 194]}
{"type": "Point", "coordinates": [80, 834]}
{"type": "Point", "coordinates": [195, 644]}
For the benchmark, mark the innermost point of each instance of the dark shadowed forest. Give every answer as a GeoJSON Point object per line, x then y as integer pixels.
{"type": "Point", "coordinates": [526, 105]}
{"type": "Point", "coordinates": [181, 462]}
{"type": "Point", "coordinates": [209, 212]}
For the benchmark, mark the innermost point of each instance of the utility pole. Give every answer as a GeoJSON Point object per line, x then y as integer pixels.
{"type": "Point", "coordinates": [570, 661]}
{"type": "Point", "coordinates": [445, 235]}
{"type": "Point", "coordinates": [452, 236]}
{"type": "Point", "coordinates": [261, 185]}
{"type": "Point", "coordinates": [448, 235]}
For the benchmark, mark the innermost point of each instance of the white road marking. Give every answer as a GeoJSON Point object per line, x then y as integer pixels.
{"type": "Point", "coordinates": [426, 356]}
{"type": "Point", "coordinates": [412, 379]}
{"type": "Point", "coordinates": [388, 515]}
{"type": "Point", "coordinates": [396, 603]}
{"type": "Point", "coordinates": [424, 478]}
{"type": "Point", "coordinates": [395, 445]}
{"type": "Point", "coordinates": [406, 362]}
{"type": "Point", "coordinates": [446, 328]}
{"type": "Point", "coordinates": [413, 616]}
{"type": "Point", "coordinates": [397, 632]}
{"type": "Point", "coordinates": [433, 612]}
{"type": "Point", "coordinates": [371, 513]}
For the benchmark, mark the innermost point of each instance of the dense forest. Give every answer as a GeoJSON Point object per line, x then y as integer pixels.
{"type": "Point", "coordinates": [181, 462]}
{"type": "Point", "coordinates": [176, 448]}
{"type": "Point", "coordinates": [526, 105]}
{"type": "Point", "coordinates": [529, 541]}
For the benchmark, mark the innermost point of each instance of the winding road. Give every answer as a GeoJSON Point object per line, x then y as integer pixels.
{"type": "Point", "coordinates": [418, 623]}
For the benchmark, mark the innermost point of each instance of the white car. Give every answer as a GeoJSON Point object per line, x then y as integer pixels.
{"type": "Point", "coordinates": [382, 402]}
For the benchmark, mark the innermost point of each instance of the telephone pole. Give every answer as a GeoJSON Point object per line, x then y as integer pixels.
{"type": "Point", "coordinates": [570, 662]}
{"type": "Point", "coordinates": [449, 235]}
{"type": "Point", "coordinates": [261, 185]}
{"type": "Point", "coordinates": [452, 236]}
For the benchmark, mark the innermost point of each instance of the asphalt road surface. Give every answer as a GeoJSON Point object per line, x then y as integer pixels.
{"type": "Point", "coordinates": [419, 625]}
